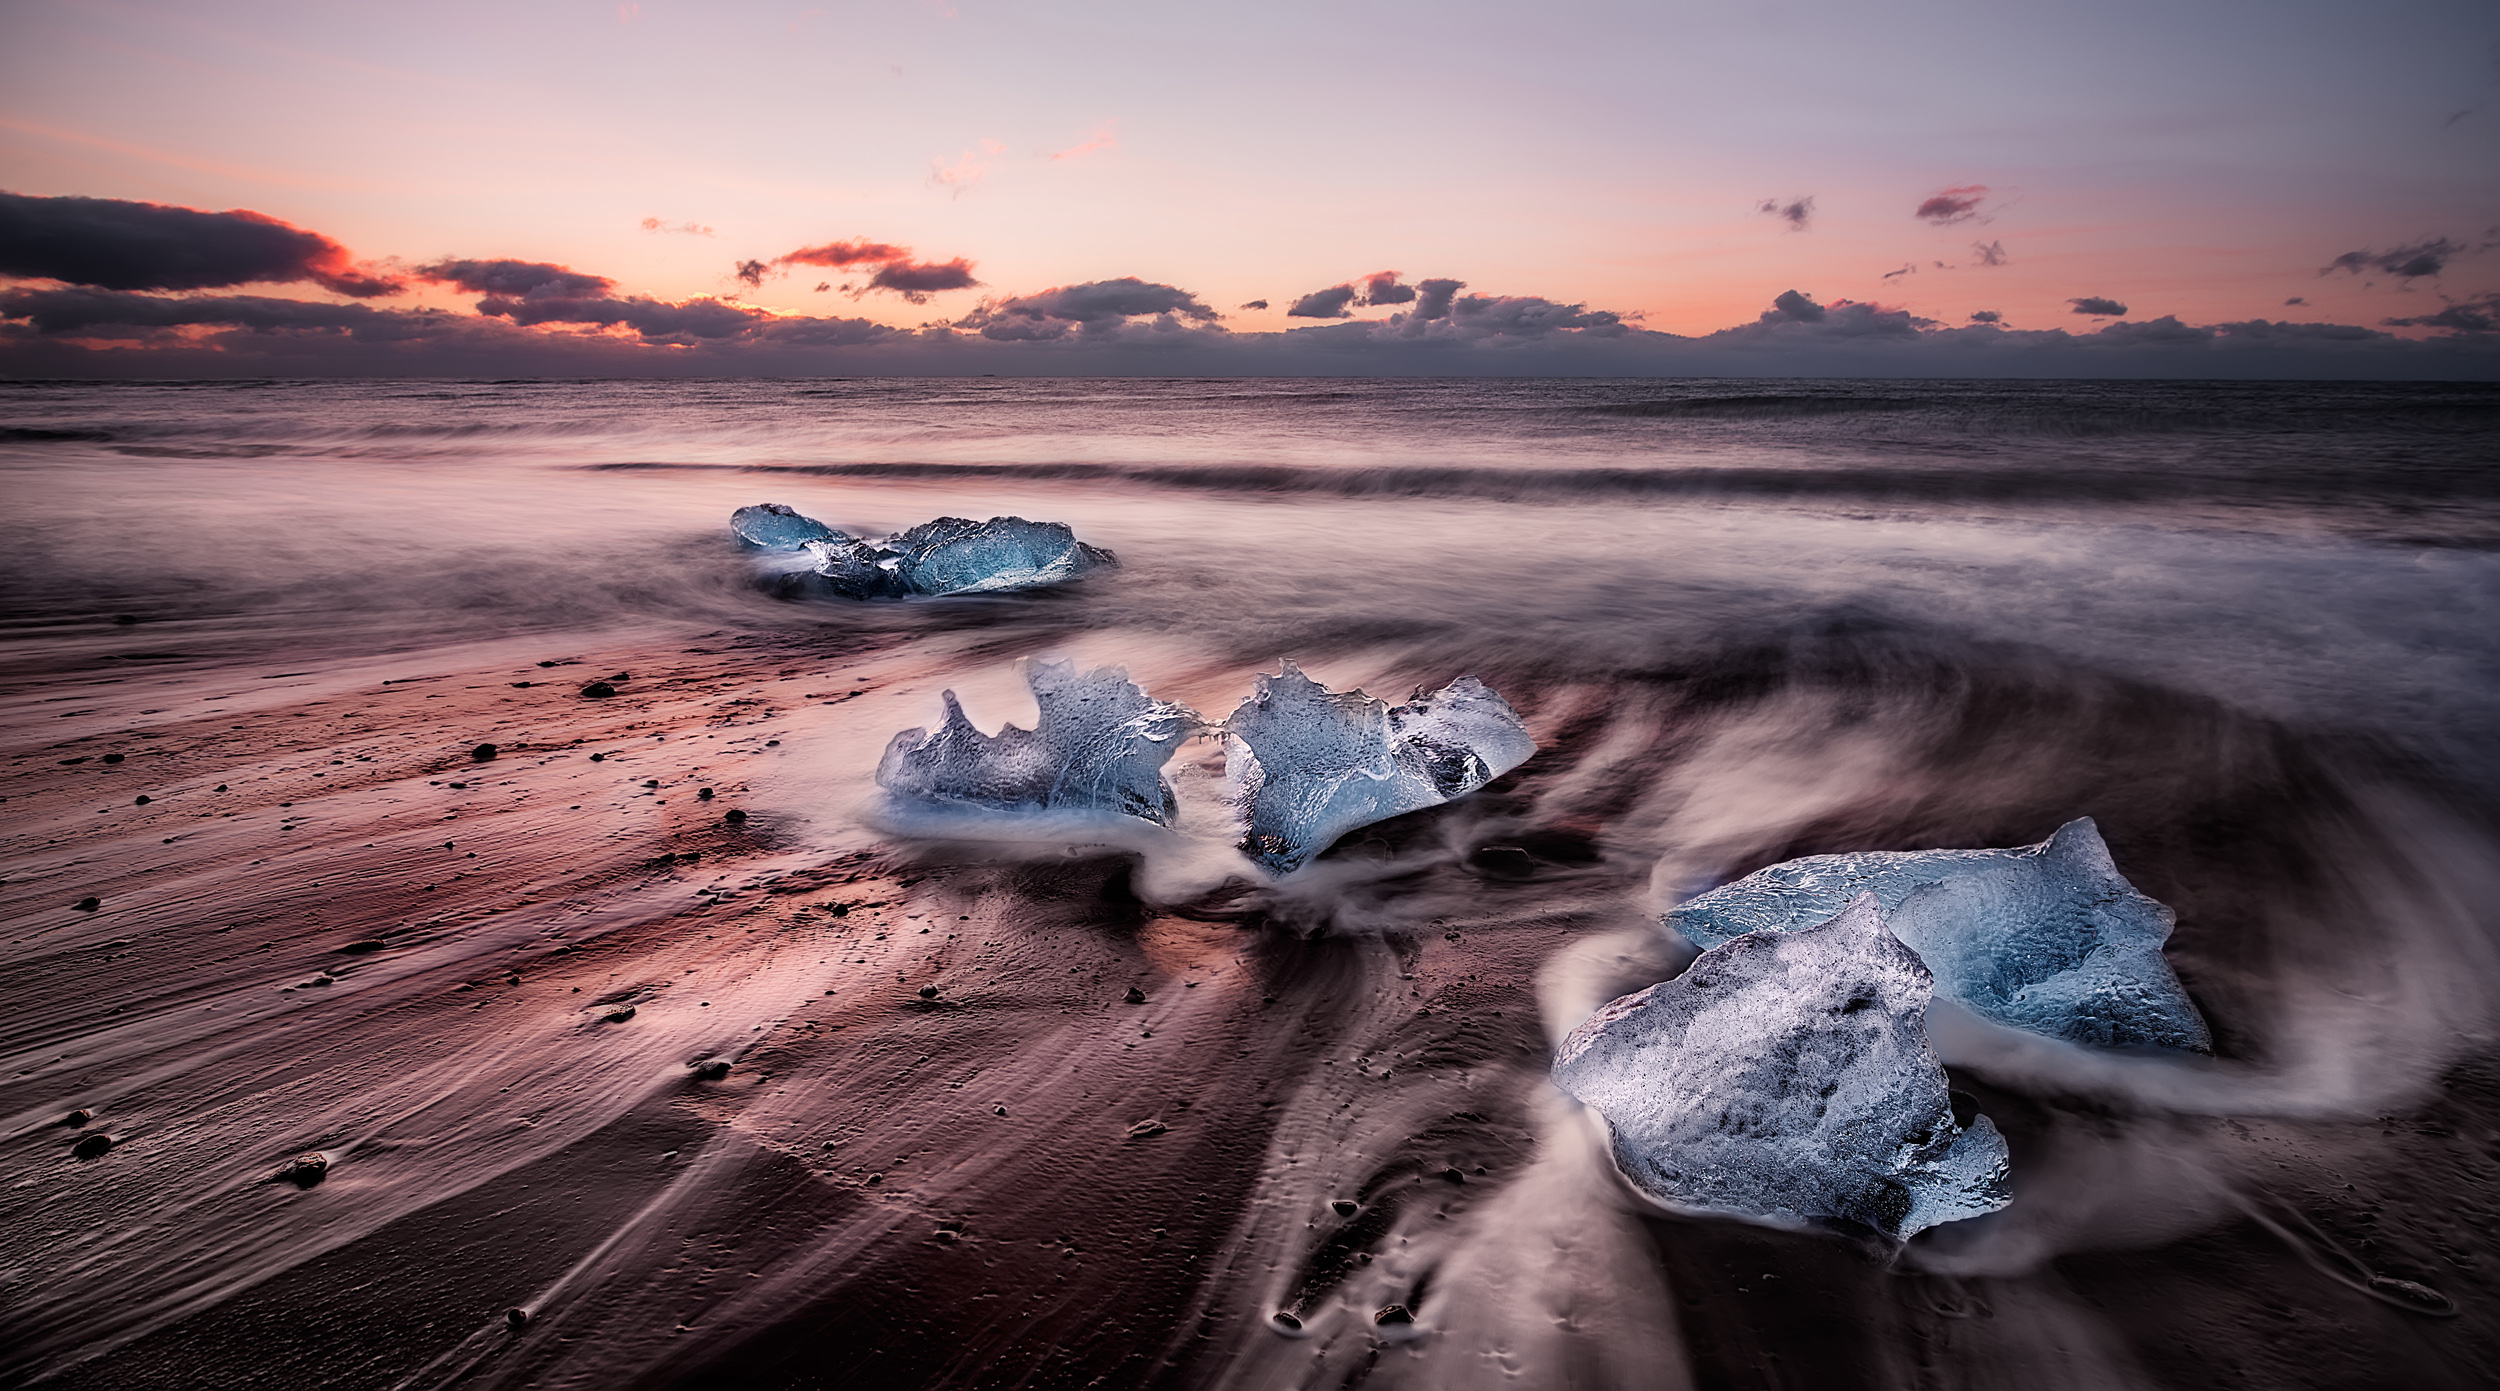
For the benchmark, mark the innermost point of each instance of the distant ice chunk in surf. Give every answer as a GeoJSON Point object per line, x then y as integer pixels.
{"type": "Point", "coordinates": [1099, 746]}
{"type": "Point", "coordinates": [1304, 764]}
{"type": "Point", "coordinates": [1787, 1077]}
{"type": "Point", "coordinates": [952, 555]}
{"type": "Point", "coordinates": [2050, 938]}
{"type": "Point", "coordinates": [772, 526]}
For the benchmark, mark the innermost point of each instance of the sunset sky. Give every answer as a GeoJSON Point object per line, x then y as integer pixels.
{"type": "Point", "coordinates": [1676, 165]}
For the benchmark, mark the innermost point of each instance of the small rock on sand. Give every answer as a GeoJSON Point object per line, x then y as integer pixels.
{"type": "Point", "coordinates": [618, 1016]}
{"type": "Point", "coordinates": [1135, 996]}
{"type": "Point", "coordinates": [711, 1071]}
{"type": "Point", "coordinates": [88, 905]}
{"type": "Point", "coordinates": [483, 753]}
{"type": "Point", "coordinates": [91, 1147]}
{"type": "Point", "coordinates": [598, 690]}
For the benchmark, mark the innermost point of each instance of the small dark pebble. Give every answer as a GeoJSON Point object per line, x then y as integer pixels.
{"type": "Point", "coordinates": [650, 782]}
{"type": "Point", "coordinates": [703, 794]}
{"type": "Point", "coordinates": [220, 787]}
{"type": "Point", "coordinates": [483, 753]}
{"type": "Point", "coordinates": [78, 1118]}
{"type": "Point", "coordinates": [1453, 1176]}
{"type": "Point", "coordinates": [618, 1016]}
{"type": "Point", "coordinates": [92, 1146]}
{"type": "Point", "coordinates": [928, 992]}
{"type": "Point", "coordinates": [772, 743]}
{"type": "Point", "coordinates": [1394, 1313]}
{"type": "Point", "coordinates": [598, 690]}
{"type": "Point", "coordinates": [735, 818]}
{"type": "Point", "coordinates": [2421, 1299]}
{"type": "Point", "coordinates": [1135, 996]}
{"type": "Point", "coordinates": [1146, 1128]}
{"type": "Point", "coordinates": [1344, 1207]}
{"type": "Point", "coordinates": [945, 1236]}
{"type": "Point", "coordinates": [1502, 862]}
{"type": "Point", "coordinates": [459, 785]}
{"type": "Point", "coordinates": [71, 762]}
{"type": "Point", "coordinates": [517, 1317]}
{"type": "Point", "coordinates": [546, 664]}
{"type": "Point", "coordinates": [141, 800]}
{"type": "Point", "coordinates": [598, 758]}
{"type": "Point", "coordinates": [1285, 1320]}
{"type": "Point", "coordinates": [711, 1071]}
{"type": "Point", "coordinates": [523, 685]}
{"type": "Point", "coordinates": [839, 910]}
{"type": "Point", "coordinates": [364, 948]}
{"type": "Point", "coordinates": [88, 905]}
{"type": "Point", "coordinates": [305, 1170]}
{"type": "Point", "coordinates": [112, 758]}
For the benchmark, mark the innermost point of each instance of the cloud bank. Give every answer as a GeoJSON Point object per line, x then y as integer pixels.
{"type": "Point", "coordinates": [130, 301]}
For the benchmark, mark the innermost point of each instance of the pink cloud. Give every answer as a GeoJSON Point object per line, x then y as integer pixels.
{"type": "Point", "coordinates": [1105, 137]}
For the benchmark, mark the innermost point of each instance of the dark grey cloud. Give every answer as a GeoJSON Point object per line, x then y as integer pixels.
{"type": "Point", "coordinates": [2480, 314]}
{"type": "Point", "coordinates": [71, 312]}
{"type": "Point", "coordinates": [117, 245]}
{"type": "Point", "coordinates": [1255, 304]}
{"type": "Point", "coordinates": [1990, 253]}
{"type": "Point", "coordinates": [1382, 287]}
{"type": "Point", "coordinates": [1952, 205]}
{"type": "Point", "coordinates": [1528, 316]}
{"type": "Point", "coordinates": [751, 272]}
{"type": "Point", "coordinates": [1790, 307]}
{"type": "Point", "coordinates": [1798, 213]}
{"type": "Point", "coordinates": [2097, 305]}
{"type": "Point", "coordinates": [1906, 269]}
{"type": "Point", "coordinates": [2411, 261]}
{"type": "Point", "coordinates": [915, 281]}
{"type": "Point", "coordinates": [1433, 298]}
{"type": "Point", "coordinates": [1324, 304]}
{"type": "Point", "coordinates": [653, 319]}
{"type": "Point", "coordinates": [1097, 308]}
{"type": "Point", "coordinates": [1986, 316]}
{"type": "Point", "coordinates": [508, 278]}
{"type": "Point", "coordinates": [2296, 299]}
{"type": "Point", "coordinates": [2166, 329]}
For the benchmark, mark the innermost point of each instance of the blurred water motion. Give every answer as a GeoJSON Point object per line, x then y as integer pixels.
{"type": "Point", "coordinates": [2247, 628]}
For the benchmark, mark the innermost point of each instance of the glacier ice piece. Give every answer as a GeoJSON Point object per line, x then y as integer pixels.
{"type": "Point", "coordinates": [2050, 937]}
{"type": "Point", "coordinates": [955, 555]}
{"type": "Point", "coordinates": [1787, 1077]}
{"type": "Point", "coordinates": [952, 555]}
{"type": "Point", "coordinates": [773, 526]}
{"type": "Point", "coordinates": [1100, 745]}
{"type": "Point", "coordinates": [1304, 764]}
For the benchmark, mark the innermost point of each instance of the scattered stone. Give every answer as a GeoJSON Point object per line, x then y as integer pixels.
{"type": "Point", "coordinates": [523, 685]}
{"type": "Point", "coordinates": [483, 753]}
{"type": "Point", "coordinates": [928, 992]}
{"type": "Point", "coordinates": [1146, 1128]}
{"type": "Point", "coordinates": [998, 1110]}
{"type": "Point", "coordinates": [598, 758]}
{"type": "Point", "coordinates": [703, 794]}
{"type": "Point", "coordinates": [78, 1118]}
{"type": "Point", "coordinates": [517, 1317]}
{"type": "Point", "coordinates": [1453, 1176]}
{"type": "Point", "coordinates": [1285, 1320]}
{"type": "Point", "coordinates": [598, 690]}
{"type": "Point", "coordinates": [91, 1147]}
{"type": "Point", "coordinates": [839, 910]}
{"type": "Point", "coordinates": [88, 905]}
{"type": "Point", "coordinates": [112, 758]}
{"type": "Point", "coordinates": [364, 948]}
{"type": "Point", "coordinates": [1394, 1313]}
{"type": "Point", "coordinates": [306, 1169]}
{"type": "Point", "coordinates": [220, 787]}
{"type": "Point", "coordinates": [736, 818]}
{"type": "Point", "coordinates": [618, 1016]}
{"type": "Point", "coordinates": [945, 1237]}
{"type": "Point", "coordinates": [1135, 996]}
{"type": "Point", "coordinates": [1344, 1207]}
{"type": "Point", "coordinates": [1502, 862]}
{"type": "Point", "coordinates": [711, 1071]}
{"type": "Point", "coordinates": [141, 800]}
{"type": "Point", "coordinates": [546, 664]}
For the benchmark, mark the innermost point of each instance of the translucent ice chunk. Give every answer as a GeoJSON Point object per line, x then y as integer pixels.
{"type": "Point", "coordinates": [954, 555]}
{"type": "Point", "coordinates": [1786, 1076]}
{"type": "Point", "coordinates": [1304, 764]}
{"type": "Point", "coordinates": [771, 526]}
{"type": "Point", "coordinates": [2049, 937]}
{"type": "Point", "coordinates": [1100, 745]}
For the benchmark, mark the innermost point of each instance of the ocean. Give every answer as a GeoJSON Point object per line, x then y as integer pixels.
{"type": "Point", "coordinates": [2252, 629]}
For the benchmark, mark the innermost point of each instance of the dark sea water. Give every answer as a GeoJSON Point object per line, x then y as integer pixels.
{"type": "Point", "coordinates": [2252, 629]}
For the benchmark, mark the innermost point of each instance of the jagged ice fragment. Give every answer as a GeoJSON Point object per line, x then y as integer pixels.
{"type": "Point", "coordinates": [1787, 1077]}
{"type": "Point", "coordinates": [952, 555]}
{"type": "Point", "coordinates": [1100, 745]}
{"type": "Point", "coordinates": [2050, 937]}
{"type": "Point", "coordinates": [772, 526]}
{"type": "Point", "coordinates": [1304, 764]}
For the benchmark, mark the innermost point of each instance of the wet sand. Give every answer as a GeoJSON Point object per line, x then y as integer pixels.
{"type": "Point", "coordinates": [325, 927]}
